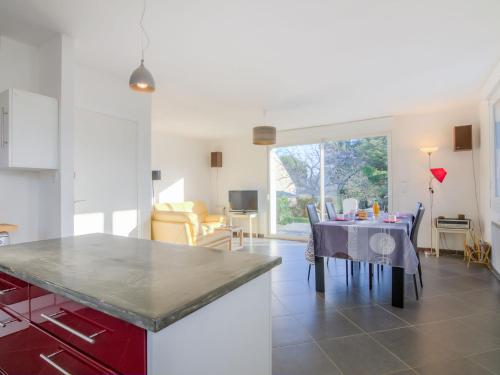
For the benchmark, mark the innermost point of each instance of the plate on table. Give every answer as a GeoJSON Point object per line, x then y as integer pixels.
{"type": "Point", "coordinates": [391, 221]}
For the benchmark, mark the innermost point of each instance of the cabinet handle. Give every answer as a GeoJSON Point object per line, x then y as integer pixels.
{"type": "Point", "coordinates": [1, 129]}
{"type": "Point", "coordinates": [5, 291]}
{"type": "Point", "coordinates": [5, 141]}
{"type": "Point", "coordinates": [47, 358]}
{"type": "Point", "coordinates": [51, 319]}
{"type": "Point", "coordinates": [7, 322]}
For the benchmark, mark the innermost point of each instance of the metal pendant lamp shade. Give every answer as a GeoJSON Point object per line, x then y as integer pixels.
{"type": "Point", "coordinates": [264, 135]}
{"type": "Point", "coordinates": [142, 80]}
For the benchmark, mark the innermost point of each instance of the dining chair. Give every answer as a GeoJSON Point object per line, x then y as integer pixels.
{"type": "Point", "coordinates": [331, 214]}
{"type": "Point", "coordinates": [417, 209]}
{"type": "Point", "coordinates": [312, 214]}
{"type": "Point", "coordinates": [414, 237]}
{"type": "Point", "coordinates": [349, 204]}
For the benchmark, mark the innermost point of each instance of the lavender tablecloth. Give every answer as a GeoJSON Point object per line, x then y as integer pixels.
{"type": "Point", "coordinates": [372, 241]}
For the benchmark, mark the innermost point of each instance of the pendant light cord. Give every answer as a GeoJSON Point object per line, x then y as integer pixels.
{"type": "Point", "coordinates": [144, 32]}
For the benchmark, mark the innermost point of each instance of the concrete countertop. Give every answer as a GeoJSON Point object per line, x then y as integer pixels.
{"type": "Point", "coordinates": [147, 283]}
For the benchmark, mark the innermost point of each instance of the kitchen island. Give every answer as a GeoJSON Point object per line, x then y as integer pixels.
{"type": "Point", "coordinates": [98, 304]}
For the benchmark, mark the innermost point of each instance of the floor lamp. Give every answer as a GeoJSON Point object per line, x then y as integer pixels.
{"type": "Point", "coordinates": [436, 174]}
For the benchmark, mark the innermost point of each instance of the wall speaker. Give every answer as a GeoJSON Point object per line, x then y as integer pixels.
{"type": "Point", "coordinates": [462, 138]}
{"type": "Point", "coordinates": [216, 159]}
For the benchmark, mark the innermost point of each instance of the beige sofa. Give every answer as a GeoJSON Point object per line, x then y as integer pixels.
{"type": "Point", "coordinates": [189, 223]}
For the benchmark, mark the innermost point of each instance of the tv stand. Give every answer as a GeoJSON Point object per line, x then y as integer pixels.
{"type": "Point", "coordinates": [248, 215]}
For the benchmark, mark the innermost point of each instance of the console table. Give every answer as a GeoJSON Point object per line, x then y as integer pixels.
{"type": "Point", "coordinates": [244, 215]}
{"type": "Point", "coordinates": [438, 231]}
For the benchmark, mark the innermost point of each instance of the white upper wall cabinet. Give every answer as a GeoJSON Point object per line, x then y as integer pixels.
{"type": "Point", "coordinates": [29, 130]}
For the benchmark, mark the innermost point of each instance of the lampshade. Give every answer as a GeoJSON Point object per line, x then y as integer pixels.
{"type": "Point", "coordinates": [439, 173]}
{"type": "Point", "coordinates": [142, 80]}
{"type": "Point", "coordinates": [156, 175]}
{"type": "Point", "coordinates": [429, 150]}
{"type": "Point", "coordinates": [264, 135]}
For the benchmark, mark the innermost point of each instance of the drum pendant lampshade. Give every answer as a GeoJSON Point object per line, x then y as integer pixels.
{"type": "Point", "coordinates": [142, 80]}
{"type": "Point", "coordinates": [264, 135]}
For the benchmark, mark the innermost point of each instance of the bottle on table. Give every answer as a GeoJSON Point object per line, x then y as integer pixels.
{"type": "Point", "coordinates": [376, 208]}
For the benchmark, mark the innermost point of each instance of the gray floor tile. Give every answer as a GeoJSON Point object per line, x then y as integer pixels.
{"type": "Point", "coordinates": [488, 323]}
{"type": "Point", "coordinates": [303, 303]}
{"type": "Point", "coordinates": [486, 298]}
{"type": "Point", "coordinates": [373, 318]}
{"type": "Point", "coordinates": [303, 359]}
{"type": "Point", "coordinates": [344, 300]}
{"type": "Point", "coordinates": [327, 324]}
{"type": "Point", "coordinates": [460, 338]}
{"type": "Point", "coordinates": [434, 309]}
{"type": "Point", "coordinates": [361, 355]}
{"type": "Point", "coordinates": [460, 366]}
{"type": "Point", "coordinates": [277, 308]}
{"type": "Point", "coordinates": [291, 287]}
{"type": "Point", "coordinates": [287, 331]}
{"type": "Point", "coordinates": [414, 347]}
{"type": "Point", "coordinates": [489, 360]}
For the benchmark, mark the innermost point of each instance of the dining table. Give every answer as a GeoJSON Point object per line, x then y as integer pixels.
{"type": "Point", "coordinates": [374, 240]}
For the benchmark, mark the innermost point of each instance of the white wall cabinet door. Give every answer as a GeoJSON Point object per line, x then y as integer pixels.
{"type": "Point", "coordinates": [29, 130]}
{"type": "Point", "coordinates": [106, 178]}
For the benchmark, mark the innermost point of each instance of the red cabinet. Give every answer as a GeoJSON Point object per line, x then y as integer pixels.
{"type": "Point", "coordinates": [111, 341]}
{"type": "Point", "coordinates": [27, 350]}
{"type": "Point", "coordinates": [14, 294]}
{"type": "Point", "coordinates": [44, 333]}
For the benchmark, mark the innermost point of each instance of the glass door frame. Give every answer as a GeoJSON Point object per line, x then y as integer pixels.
{"type": "Point", "coordinates": [271, 204]}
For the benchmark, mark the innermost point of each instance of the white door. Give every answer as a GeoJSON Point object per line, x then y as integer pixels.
{"type": "Point", "coordinates": [106, 183]}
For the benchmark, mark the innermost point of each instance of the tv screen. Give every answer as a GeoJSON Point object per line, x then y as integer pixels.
{"type": "Point", "coordinates": [243, 200]}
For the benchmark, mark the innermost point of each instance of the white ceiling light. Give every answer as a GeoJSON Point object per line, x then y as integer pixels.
{"type": "Point", "coordinates": [141, 79]}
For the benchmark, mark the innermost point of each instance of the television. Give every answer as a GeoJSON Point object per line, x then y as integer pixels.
{"type": "Point", "coordinates": [243, 200]}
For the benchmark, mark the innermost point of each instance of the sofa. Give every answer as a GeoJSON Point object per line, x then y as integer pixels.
{"type": "Point", "coordinates": [189, 223]}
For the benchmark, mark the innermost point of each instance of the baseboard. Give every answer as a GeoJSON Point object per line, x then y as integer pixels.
{"type": "Point", "coordinates": [495, 273]}
{"type": "Point", "coordinates": [441, 251]}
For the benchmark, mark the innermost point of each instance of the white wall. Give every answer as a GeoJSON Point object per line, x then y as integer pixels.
{"type": "Point", "coordinates": [185, 166]}
{"type": "Point", "coordinates": [489, 210]}
{"type": "Point", "coordinates": [245, 165]}
{"type": "Point", "coordinates": [19, 189]}
{"type": "Point", "coordinates": [106, 94]}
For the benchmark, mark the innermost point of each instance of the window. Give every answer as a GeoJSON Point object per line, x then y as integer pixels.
{"type": "Point", "coordinates": [497, 148]}
{"type": "Point", "coordinates": [353, 168]}
{"type": "Point", "coordinates": [357, 168]}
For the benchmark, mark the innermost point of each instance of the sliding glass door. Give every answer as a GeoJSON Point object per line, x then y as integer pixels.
{"type": "Point", "coordinates": [328, 171]}
{"type": "Point", "coordinates": [295, 182]}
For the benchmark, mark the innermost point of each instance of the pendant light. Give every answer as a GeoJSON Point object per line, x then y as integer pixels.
{"type": "Point", "coordinates": [264, 135]}
{"type": "Point", "coordinates": [141, 79]}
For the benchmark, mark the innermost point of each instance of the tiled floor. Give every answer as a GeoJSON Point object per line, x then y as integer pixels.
{"type": "Point", "coordinates": [453, 329]}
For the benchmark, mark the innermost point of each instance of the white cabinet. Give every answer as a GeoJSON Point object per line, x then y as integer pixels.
{"type": "Point", "coordinates": [29, 130]}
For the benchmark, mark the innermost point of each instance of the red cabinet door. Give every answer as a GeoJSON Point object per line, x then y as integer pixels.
{"type": "Point", "coordinates": [14, 294]}
{"type": "Point", "coordinates": [28, 350]}
{"type": "Point", "coordinates": [111, 341]}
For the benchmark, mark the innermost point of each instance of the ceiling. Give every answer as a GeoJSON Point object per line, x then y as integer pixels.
{"type": "Point", "coordinates": [219, 63]}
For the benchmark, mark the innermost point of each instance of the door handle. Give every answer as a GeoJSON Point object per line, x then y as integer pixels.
{"type": "Point", "coordinates": [48, 359]}
{"type": "Point", "coordinates": [79, 201]}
